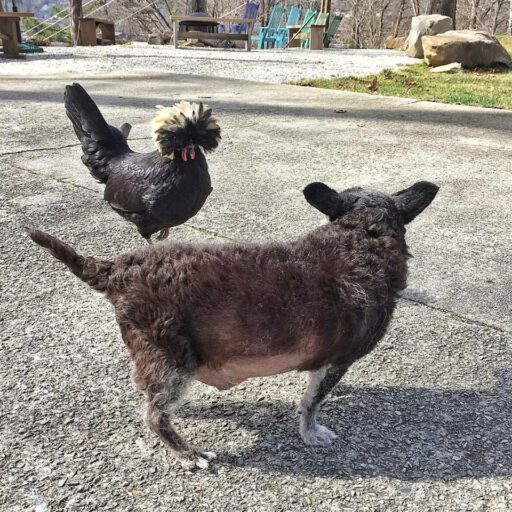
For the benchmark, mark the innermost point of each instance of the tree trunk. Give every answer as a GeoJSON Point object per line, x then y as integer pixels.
{"type": "Point", "coordinates": [473, 14]}
{"type": "Point", "coordinates": [198, 6]}
{"type": "Point", "coordinates": [444, 7]}
{"type": "Point", "coordinates": [509, 28]}
{"type": "Point", "coordinates": [499, 3]}
{"type": "Point", "coordinates": [396, 27]}
{"type": "Point", "coordinates": [75, 12]}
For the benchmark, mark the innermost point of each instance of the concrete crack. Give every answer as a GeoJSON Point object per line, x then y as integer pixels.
{"type": "Point", "coordinates": [66, 181]}
{"type": "Point", "coordinates": [216, 234]}
{"type": "Point", "coordinates": [22, 151]}
{"type": "Point", "coordinates": [458, 316]}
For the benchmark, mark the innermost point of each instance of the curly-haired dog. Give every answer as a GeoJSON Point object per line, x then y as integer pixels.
{"type": "Point", "coordinates": [224, 313]}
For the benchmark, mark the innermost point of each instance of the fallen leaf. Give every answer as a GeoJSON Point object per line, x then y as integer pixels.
{"type": "Point", "coordinates": [374, 85]}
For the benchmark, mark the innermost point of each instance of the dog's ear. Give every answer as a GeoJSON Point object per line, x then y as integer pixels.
{"type": "Point", "coordinates": [327, 200]}
{"type": "Point", "coordinates": [413, 200]}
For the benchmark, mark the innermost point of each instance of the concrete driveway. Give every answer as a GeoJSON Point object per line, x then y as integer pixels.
{"type": "Point", "coordinates": [424, 422]}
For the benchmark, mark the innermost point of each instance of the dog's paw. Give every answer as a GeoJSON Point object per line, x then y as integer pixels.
{"type": "Point", "coordinates": [195, 459]}
{"type": "Point", "coordinates": [318, 435]}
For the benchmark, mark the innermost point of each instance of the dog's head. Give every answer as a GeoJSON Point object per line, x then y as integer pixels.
{"type": "Point", "coordinates": [405, 205]}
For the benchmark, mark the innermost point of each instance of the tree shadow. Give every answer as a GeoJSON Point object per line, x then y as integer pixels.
{"type": "Point", "coordinates": [401, 113]}
{"type": "Point", "coordinates": [410, 434]}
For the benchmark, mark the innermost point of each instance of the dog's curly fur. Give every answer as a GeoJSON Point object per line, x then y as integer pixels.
{"type": "Point", "coordinates": [210, 311]}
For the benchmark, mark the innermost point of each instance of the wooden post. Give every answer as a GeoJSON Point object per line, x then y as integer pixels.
{"type": "Point", "coordinates": [8, 28]}
{"type": "Point", "coordinates": [249, 34]}
{"type": "Point", "coordinates": [175, 29]}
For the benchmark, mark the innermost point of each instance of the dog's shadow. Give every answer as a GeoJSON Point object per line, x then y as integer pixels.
{"type": "Point", "coordinates": [411, 434]}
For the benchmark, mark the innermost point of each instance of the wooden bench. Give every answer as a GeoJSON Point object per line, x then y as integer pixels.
{"type": "Point", "coordinates": [315, 33]}
{"type": "Point", "coordinates": [87, 31]}
{"type": "Point", "coordinates": [225, 36]}
{"type": "Point", "coordinates": [8, 33]}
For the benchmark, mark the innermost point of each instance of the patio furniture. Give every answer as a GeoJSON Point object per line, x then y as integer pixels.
{"type": "Point", "coordinates": [296, 33]}
{"type": "Point", "coordinates": [292, 20]}
{"type": "Point", "coordinates": [226, 36]}
{"type": "Point", "coordinates": [8, 31]}
{"type": "Point", "coordinates": [315, 41]}
{"type": "Point", "coordinates": [268, 35]}
{"type": "Point", "coordinates": [29, 48]}
{"type": "Point", "coordinates": [329, 34]}
{"type": "Point", "coordinates": [250, 12]}
{"type": "Point", "coordinates": [87, 31]}
{"type": "Point", "coordinates": [198, 24]}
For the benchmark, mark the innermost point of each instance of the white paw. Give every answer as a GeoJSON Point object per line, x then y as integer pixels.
{"type": "Point", "coordinates": [318, 435]}
{"type": "Point", "coordinates": [196, 459]}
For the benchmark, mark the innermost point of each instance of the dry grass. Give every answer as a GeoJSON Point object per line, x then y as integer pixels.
{"type": "Point", "coordinates": [480, 87]}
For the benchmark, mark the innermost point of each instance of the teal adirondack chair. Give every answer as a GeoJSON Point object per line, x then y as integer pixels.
{"type": "Point", "coordinates": [268, 35]}
{"type": "Point", "coordinates": [308, 20]}
{"type": "Point", "coordinates": [293, 19]}
{"type": "Point", "coordinates": [334, 24]}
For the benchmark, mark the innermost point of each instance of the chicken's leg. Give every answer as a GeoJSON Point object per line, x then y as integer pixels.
{"type": "Point", "coordinates": [163, 234]}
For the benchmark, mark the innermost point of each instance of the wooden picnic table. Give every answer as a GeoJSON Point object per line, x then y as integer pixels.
{"type": "Point", "coordinates": [226, 36]}
{"type": "Point", "coordinates": [8, 33]}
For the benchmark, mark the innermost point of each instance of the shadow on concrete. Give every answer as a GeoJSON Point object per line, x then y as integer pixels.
{"type": "Point", "coordinates": [481, 119]}
{"type": "Point", "coordinates": [410, 434]}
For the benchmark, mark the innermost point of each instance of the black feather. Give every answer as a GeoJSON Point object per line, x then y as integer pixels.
{"type": "Point", "coordinates": [153, 192]}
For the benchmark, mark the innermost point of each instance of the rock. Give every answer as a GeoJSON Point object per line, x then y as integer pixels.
{"type": "Point", "coordinates": [394, 43]}
{"type": "Point", "coordinates": [472, 48]}
{"type": "Point", "coordinates": [448, 68]}
{"type": "Point", "coordinates": [427, 24]}
{"type": "Point", "coordinates": [155, 39]}
{"type": "Point", "coordinates": [167, 37]}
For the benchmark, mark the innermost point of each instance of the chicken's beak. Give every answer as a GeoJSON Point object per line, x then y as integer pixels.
{"type": "Point", "coordinates": [188, 152]}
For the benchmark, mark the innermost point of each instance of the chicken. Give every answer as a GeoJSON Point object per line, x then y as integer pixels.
{"type": "Point", "coordinates": [157, 190]}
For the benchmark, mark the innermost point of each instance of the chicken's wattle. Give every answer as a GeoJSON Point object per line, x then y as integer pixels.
{"type": "Point", "coordinates": [188, 152]}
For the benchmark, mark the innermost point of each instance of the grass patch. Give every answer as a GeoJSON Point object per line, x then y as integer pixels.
{"type": "Point", "coordinates": [480, 87]}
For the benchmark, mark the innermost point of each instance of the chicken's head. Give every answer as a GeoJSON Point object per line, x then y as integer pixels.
{"type": "Point", "coordinates": [182, 130]}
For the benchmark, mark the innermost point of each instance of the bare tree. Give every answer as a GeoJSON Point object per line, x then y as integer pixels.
{"type": "Point", "coordinates": [75, 13]}
{"type": "Point", "coordinates": [396, 26]}
{"type": "Point", "coordinates": [473, 13]}
{"type": "Point", "coordinates": [444, 7]}
{"type": "Point", "coordinates": [198, 6]}
{"type": "Point", "coordinates": [509, 27]}
{"type": "Point", "coordinates": [499, 5]}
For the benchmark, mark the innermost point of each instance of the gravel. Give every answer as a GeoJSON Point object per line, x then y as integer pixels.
{"type": "Point", "coordinates": [273, 66]}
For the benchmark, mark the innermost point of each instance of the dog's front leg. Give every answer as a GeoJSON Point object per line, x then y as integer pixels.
{"type": "Point", "coordinates": [320, 384]}
{"type": "Point", "coordinates": [163, 397]}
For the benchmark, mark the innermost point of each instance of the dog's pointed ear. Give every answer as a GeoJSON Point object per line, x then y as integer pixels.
{"type": "Point", "coordinates": [413, 200]}
{"type": "Point", "coordinates": [325, 199]}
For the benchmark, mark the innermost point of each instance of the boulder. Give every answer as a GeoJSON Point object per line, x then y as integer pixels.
{"type": "Point", "coordinates": [155, 39]}
{"type": "Point", "coordinates": [472, 48]}
{"type": "Point", "coordinates": [394, 43]}
{"type": "Point", "coordinates": [166, 36]}
{"type": "Point", "coordinates": [427, 24]}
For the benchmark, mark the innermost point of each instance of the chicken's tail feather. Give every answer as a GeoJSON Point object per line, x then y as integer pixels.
{"type": "Point", "coordinates": [99, 140]}
{"type": "Point", "coordinates": [92, 271]}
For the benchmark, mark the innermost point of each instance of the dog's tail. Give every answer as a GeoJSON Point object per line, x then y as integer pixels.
{"type": "Point", "coordinates": [92, 271]}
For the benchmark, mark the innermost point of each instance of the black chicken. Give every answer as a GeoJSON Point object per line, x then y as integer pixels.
{"type": "Point", "coordinates": [156, 190]}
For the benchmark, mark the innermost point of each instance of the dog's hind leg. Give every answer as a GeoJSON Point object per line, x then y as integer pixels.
{"type": "Point", "coordinates": [165, 376]}
{"type": "Point", "coordinates": [164, 396]}
{"type": "Point", "coordinates": [320, 384]}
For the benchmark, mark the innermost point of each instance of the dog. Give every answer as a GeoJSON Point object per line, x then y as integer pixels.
{"type": "Point", "coordinates": [223, 313]}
